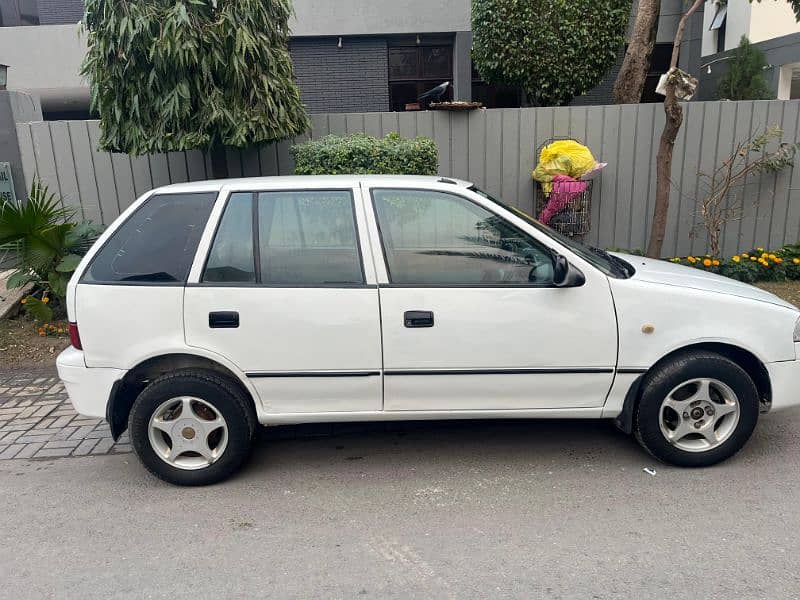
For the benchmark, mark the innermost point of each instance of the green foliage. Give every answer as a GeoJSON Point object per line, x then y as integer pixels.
{"type": "Point", "coordinates": [366, 155]}
{"type": "Point", "coordinates": [169, 76]}
{"type": "Point", "coordinates": [756, 265]}
{"type": "Point", "coordinates": [50, 247]}
{"type": "Point", "coordinates": [553, 49]}
{"type": "Point", "coordinates": [745, 77]}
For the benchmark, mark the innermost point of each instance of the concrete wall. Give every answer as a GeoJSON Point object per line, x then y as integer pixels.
{"type": "Point", "coordinates": [375, 17]}
{"type": "Point", "coordinates": [496, 149]}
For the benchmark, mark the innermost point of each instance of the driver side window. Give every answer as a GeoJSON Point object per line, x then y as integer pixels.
{"type": "Point", "coordinates": [435, 238]}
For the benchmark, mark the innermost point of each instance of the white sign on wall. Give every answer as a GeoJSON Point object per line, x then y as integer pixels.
{"type": "Point", "coordinates": [6, 184]}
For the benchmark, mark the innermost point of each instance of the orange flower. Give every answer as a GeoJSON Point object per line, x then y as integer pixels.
{"type": "Point", "coordinates": [778, 260]}
{"type": "Point", "coordinates": [715, 263]}
{"type": "Point", "coordinates": [45, 299]}
{"type": "Point", "coordinates": [23, 301]}
{"type": "Point", "coordinates": [706, 262]}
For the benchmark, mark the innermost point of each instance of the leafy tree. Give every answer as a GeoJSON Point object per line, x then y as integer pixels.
{"type": "Point", "coordinates": [745, 77]}
{"type": "Point", "coordinates": [553, 49]}
{"type": "Point", "coordinates": [170, 75]}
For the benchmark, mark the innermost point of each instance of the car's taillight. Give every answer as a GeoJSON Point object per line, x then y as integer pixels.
{"type": "Point", "coordinates": [74, 336]}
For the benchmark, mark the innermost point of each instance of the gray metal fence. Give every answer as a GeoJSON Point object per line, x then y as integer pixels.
{"type": "Point", "coordinates": [496, 149]}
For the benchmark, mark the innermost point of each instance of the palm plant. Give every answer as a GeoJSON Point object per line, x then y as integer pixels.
{"type": "Point", "coordinates": [49, 247]}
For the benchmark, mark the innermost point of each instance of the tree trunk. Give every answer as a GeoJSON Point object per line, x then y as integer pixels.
{"type": "Point", "coordinates": [219, 162]}
{"type": "Point", "coordinates": [674, 113]}
{"type": "Point", "coordinates": [632, 75]}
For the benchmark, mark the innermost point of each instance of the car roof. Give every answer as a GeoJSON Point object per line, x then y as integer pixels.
{"type": "Point", "coordinates": [310, 181]}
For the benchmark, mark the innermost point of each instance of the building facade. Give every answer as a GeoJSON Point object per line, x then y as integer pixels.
{"type": "Point", "coordinates": [349, 55]}
{"type": "Point", "coordinates": [770, 25]}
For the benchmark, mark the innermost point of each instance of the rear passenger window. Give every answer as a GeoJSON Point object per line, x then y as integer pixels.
{"type": "Point", "coordinates": [304, 238]}
{"type": "Point", "coordinates": [156, 244]}
{"type": "Point", "coordinates": [231, 258]}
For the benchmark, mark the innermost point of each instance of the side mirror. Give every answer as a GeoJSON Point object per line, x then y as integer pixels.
{"type": "Point", "coordinates": [565, 275]}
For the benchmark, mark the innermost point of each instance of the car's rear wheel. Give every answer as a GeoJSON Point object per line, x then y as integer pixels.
{"type": "Point", "coordinates": [192, 427]}
{"type": "Point", "coordinates": [696, 410]}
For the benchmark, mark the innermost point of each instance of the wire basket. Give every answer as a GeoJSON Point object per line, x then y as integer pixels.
{"type": "Point", "coordinates": [567, 208]}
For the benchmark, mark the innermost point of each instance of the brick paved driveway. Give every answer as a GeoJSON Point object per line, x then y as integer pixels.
{"type": "Point", "coordinates": [38, 421]}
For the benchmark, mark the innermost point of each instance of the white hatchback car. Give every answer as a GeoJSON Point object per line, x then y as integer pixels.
{"type": "Point", "coordinates": [207, 308]}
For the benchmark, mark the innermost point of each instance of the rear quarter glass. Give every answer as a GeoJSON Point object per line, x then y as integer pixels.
{"type": "Point", "coordinates": [156, 244]}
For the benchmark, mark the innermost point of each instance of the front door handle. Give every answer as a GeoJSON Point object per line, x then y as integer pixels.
{"type": "Point", "coordinates": [223, 319]}
{"type": "Point", "coordinates": [418, 318]}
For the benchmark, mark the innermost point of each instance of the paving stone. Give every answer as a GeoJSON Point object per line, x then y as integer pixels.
{"type": "Point", "coordinates": [30, 438]}
{"type": "Point", "coordinates": [52, 452]}
{"type": "Point", "coordinates": [96, 435]}
{"type": "Point", "coordinates": [45, 423]}
{"type": "Point", "coordinates": [103, 446]}
{"type": "Point", "coordinates": [122, 448]}
{"type": "Point", "coordinates": [84, 447]}
{"type": "Point", "coordinates": [11, 451]}
{"type": "Point", "coordinates": [62, 444]}
{"type": "Point", "coordinates": [82, 432]}
{"type": "Point", "coordinates": [62, 421]}
{"type": "Point", "coordinates": [11, 436]}
{"type": "Point", "coordinates": [64, 433]}
{"type": "Point", "coordinates": [29, 450]}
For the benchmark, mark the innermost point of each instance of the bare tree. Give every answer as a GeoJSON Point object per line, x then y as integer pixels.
{"type": "Point", "coordinates": [722, 202]}
{"type": "Point", "coordinates": [674, 112]}
{"type": "Point", "coordinates": [632, 75]}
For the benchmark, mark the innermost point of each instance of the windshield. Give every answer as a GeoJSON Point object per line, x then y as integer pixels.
{"type": "Point", "coordinates": [608, 264]}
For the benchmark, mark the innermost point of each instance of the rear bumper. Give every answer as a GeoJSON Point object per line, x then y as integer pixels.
{"type": "Point", "coordinates": [88, 388]}
{"type": "Point", "coordinates": [785, 382]}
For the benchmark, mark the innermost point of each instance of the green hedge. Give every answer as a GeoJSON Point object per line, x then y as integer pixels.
{"type": "Point", "coordinates": [366, 155]}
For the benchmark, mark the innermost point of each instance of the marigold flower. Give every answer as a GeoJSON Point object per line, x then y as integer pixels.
{"type": "Point", "coordinates": [707, 262]}
{"type": "Point", "coordinates": [752, 258]}
{"type": "Point", "coordinates": [715, 263]}
{"type": "Point", "coordinates": [796, 261]}
{"type": "Point", "coordinates": [772, 256]}
{"type": "Point", "coordinates": [778, 260]}
{"type": "Point", "coordinates": [25, 300]}
{"type": "Point", "coordinates": [45, 299]}
{"type": "Point", "coordinates": [736, 259]}
{"type": "Point", "coordinates": [745, 255]}
{"type": "Point", "coordinates": [764, 255]}
{"type": "Point", "coordinates": [760, 249]}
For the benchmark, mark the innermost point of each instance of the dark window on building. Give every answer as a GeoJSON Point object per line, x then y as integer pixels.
{"type": "Point", "coordinates": [413, 70]}
{"type": "Point", "coordinates": [15, 13]}
{"type": "Point", "coordinates": [659, 64]}
{"type": "Point", "coordinates": [495, 96]}
{"type": "Point", "coordinates": [157, 243]}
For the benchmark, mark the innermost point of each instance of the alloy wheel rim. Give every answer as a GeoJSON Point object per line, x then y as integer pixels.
{"type": "Point", "coordinates": [188, 433]}
{"type": "Point", "coordinates": [699, 415]}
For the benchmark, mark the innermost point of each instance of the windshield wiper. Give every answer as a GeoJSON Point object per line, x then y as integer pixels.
{"type": "Point", "coordinates": [619, 265]}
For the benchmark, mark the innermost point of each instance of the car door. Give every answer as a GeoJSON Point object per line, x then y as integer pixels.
{"type": "Point", "coordinates": [471, 319]}
{"type": "Point", "coordinates": [284, 295]}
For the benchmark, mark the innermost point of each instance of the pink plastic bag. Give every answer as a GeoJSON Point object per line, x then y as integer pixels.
{"type": "Point", "coordinates": [565, 190]}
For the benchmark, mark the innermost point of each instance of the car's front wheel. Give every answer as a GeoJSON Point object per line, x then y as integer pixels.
{"type": "Point", "coordinates": [192, 427]}
{"type": "Point", "coordinates": [696, 410]}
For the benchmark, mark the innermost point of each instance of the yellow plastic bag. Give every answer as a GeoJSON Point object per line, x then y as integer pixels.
{"type": "Point", "coordinates": [562, 157]}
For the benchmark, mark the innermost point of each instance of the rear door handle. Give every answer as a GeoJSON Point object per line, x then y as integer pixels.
{"type": "Point", "coordinates": [418, 318]}
{"type": "Point", "coordinates": [223, 319]}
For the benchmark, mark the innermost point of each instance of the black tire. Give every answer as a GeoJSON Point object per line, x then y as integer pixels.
{"type": "Point", "coordinates": [685, 367]}
{"type": "Point", "coordinates": [225, 396]}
